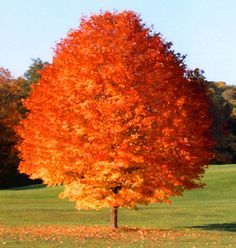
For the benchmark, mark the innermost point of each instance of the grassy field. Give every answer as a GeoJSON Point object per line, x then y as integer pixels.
{"type": "Point", "coordinates": [202, 218]}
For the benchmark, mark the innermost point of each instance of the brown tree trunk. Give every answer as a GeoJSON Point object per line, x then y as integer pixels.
{"type": "Point", "coordinates": [113, 216]}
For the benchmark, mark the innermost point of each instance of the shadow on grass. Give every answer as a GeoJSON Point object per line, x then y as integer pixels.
{"type": "Point", "coordinates": [228, 227]}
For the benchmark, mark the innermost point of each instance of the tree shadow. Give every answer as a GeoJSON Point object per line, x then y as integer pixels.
{"type": "Point", "coordinates": [228, 227]}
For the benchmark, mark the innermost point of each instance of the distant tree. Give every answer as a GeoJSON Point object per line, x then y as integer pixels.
{"type": "Point", "coordinates": [9, 116]}
{"type": "Point", "coordinates": [229, 95]}
{"type": "Point", "coordinates": [223, 103]}
{"type": "Point", "coordinates": [11, 110]}
{"type": "Point", "coordinates": [196, 74]}
{"type": "Point", "coordinates": [223, 108]}
{"type": "Point", "coordinates": [31, 76]}
{"type": "Point", "coordinates": [5, 76]}
{"type": "Point", "coordinates": [114, 118]}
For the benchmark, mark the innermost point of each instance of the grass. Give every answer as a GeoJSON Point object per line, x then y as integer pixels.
{"type": "Point", "coordinates": [204, 217]}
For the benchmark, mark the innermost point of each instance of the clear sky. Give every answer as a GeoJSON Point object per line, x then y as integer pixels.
{"type": "Point", "coordinates": [205, 30]}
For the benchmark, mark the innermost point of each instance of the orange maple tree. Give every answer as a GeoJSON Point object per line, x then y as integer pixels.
{"type": "Point", "coordinates": [114, 119]}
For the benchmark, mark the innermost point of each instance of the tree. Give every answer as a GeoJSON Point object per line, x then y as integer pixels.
{"type": "Point", "coordinates": [31, 76]}
{"type": "Point", "coordinates": [8, 117]}
{"type": "Point", "coordinates": [222, 106]}
{"type": "Point", "coordinates": [196, 74]}
{"type": "Point", "coordinates": [222, 98]}
{"type": "Point", "coordinates": [11, 110]}
{"type": "Point", "coordinates": [114, 119]}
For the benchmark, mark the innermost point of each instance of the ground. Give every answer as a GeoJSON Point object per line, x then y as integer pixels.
{"type": "Point", "coordinates": [34, 217]}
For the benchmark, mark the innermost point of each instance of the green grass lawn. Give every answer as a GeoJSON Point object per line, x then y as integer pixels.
{"type": "Point", "coordinates": [204, 217]}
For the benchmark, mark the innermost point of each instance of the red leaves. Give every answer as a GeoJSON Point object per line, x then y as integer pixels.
{"type": "Point", "coordinates": [115, 98]}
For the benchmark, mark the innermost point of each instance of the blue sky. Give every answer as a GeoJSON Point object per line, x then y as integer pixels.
{"type": "Point", "coordinates": [205, 30]}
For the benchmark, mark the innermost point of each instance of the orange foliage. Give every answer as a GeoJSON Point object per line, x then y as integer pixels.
{"type": "Point", "coordinates": [114, 119]}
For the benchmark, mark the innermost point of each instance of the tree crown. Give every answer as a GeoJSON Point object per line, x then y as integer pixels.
{"type": "Point", "coordinates": [114, 119]}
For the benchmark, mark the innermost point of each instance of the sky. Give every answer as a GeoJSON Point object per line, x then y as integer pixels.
{"type": "Point", "coordinates": [204, 30]}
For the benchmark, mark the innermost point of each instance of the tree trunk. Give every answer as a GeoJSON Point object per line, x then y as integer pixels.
{"type": "Point", "coordinates": [113, 216]}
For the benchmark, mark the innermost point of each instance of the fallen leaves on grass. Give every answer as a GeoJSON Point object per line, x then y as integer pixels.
{"type": "Point", "coordinates": [83, 232]}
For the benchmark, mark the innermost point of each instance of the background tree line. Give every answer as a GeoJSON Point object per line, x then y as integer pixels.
{"type": "Point", "coordinates": [14, 90]}
{"type": "Point", "coordinates": [223, 108]}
